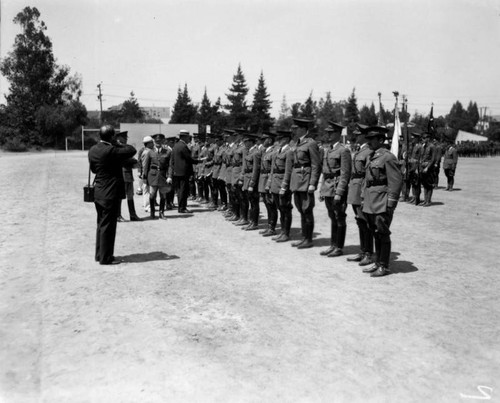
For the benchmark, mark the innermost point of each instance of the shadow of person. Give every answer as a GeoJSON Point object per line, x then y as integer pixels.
{"type": "Point", "coordinates": [146, 257]}
{"type": "Point", "coordinates": [437, 204]}
{"type": "Point", "coordinates": [455, 190]}
{"type": "Point", "coordinates": [168, 217]}
{"type": "Point", "coordinates": [401, 266]}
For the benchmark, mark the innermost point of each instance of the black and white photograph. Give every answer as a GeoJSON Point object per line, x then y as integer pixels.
{"type": "Point", "coordinates": [249, 201]}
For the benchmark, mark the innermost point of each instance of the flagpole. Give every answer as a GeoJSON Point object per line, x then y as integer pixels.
{"type": "Point", "coordinates": [406, 136]}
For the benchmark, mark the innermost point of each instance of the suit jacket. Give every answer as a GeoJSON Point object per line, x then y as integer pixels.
{"type": "Point", "coordinates": [182, 161]}
{"type": "Point", "coordinates": [106, 161]}
{"type": "Point", "coordinates": [306, 165]}
{"type": "Point", "coordinates": [383, 182]}
{"type": "Point", "coordinates": [336, 171]}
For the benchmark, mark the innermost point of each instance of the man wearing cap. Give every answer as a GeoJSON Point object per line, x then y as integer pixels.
{"type": "Point", "coordinates": [336, 175]}
{"type": "Point", "coordinates": [360, 159]}
{"type": "Point", "coordinates": [414, 169]}
{"type": "Point", "coordinates": [267, 152]}
{"type": "Point", "coordinates": [128, 177]}
{"type": "Point", "coordinates": [157, 170]}
{"type": "Point", "coordinates": [169, 144]}
{"type": "Point", "coordinates": [383, 184]}
{"type": "Point", "coordinates": [209, 171]}
{"type": "Point", "coordinates": [106, 161]}
{"type": "Point", "coordinates": [143, 152]}
{"type": "Point", "coordinates": [450, 164]}
{"type": "Point", "coordinates": [250, 176]}
{"type": "Point", "coordinates": [278, 183]}
{"type": "Point", "coordinates": [427, 168]}
{"type": "Point", "coordinates": [193, 179]}
{"type": "Point", "coordinates": [304, 179]}
{"type": "Point", "coordinates": [182, 169]}
{"type": "Point", "coordinates": [233, 213]}
{"type": "Point", "coordinates": [219, 172]}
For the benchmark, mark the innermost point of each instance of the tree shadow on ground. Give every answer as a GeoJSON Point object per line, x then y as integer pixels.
{"type": "Point", "coordinates": [146, 257]}
{"type": "Point", "coordinates": [401, 266]}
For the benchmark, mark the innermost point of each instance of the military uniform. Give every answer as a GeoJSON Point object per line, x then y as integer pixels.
{"type": "Point", "coordinates": [383, 182]}
{"type": "Point", "coordinates": [219, 173]}
{"type": "Point", "coordinates": [250, 176]}
{"type": "Point", "coordinates": [414, 169]}
{"type": "Point", "coordinates": [233, 213]}
{"type": "Point", "coordinates": [336, 170]}
{"type": "Point", "coordinates": [450, 165]}
{"type": "Point", "coordinates": [360, 160]}
{"type": "Point", "coordinates": [157, 170]}
{"type": "Point", "coordinates": [267, 197]}
{"type": "Point", "coordinates": [240, 203]}
{"type": "Point", "coordinates": [427, 170]}
{"type": "Point", "coordinates": [193, 180]}
{"type": "Point", "coordinates": [306, 172]}
{"type": "Point", "coordinates": [278, 184]}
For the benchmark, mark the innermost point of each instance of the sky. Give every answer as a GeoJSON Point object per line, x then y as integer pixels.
{"type": "Point", "coordinates": [435, 52]}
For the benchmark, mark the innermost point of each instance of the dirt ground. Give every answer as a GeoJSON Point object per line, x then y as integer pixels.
{"type": "Point", "coordinates": [201, 311]}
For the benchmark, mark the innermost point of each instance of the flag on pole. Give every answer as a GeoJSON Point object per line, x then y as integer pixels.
{"type": "Point", "coordinates": [397, 132]}
{"type": "Point", "coordinates": [430, 127]}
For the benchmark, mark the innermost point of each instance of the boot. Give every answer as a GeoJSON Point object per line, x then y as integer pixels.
{"type": "Point", "coordinates": [308, 243]}
{"type": "Point", "coordinates": [131, 210]}
{"type": "Point", "coordinates": [381, 271]}
{"type": "Point", "coordinates": [162, 208]}
{"type": "Point", "coordinates": [333, 240]}
{"type": "Point", "coordinates": [367, 259]}
{"type": "Point", "coordinates": [152, 209]}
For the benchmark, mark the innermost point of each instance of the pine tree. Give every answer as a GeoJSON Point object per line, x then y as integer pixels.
{"type": "Point", "coordinates": [205, 113]}
{"type": "Point", "coordinates": [325, 112]}
{"type": "Point", "coordinates": [184, 110]}
{"type": "Point", "coordinates": [237, 107]}
{"type": "Point", "coordinates": [131, 111]}
{"type": "Point", "coordinates": [308, 108]}
{"type": "Point", "coordinates": [352, 112]}
{"type": "Point", "coordinates": [284, 121]}
{"type": "Point", "coordinates": [259, 113]}
{"type": "Point", "coordinates": [368, 116]}
{"type": "Point", "coordinates": [473, 114]}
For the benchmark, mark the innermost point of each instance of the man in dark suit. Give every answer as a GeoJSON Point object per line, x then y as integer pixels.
{"type": "Point", "coordinates": [106, 161]}
{"type": "Point", "coordinates": [182, 168]}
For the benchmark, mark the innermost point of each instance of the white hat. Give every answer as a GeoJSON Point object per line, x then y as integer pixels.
{"type": "Point", "coordinates": [147, 139]}
{"type": "Point", "coordinates": [184, 132]}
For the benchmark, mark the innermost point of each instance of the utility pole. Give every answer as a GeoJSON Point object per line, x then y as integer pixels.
{"type": "Point", "coordinates": [99, 97]}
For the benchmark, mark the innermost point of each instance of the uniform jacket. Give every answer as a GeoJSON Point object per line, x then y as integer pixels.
{"type": "Point", "coordinates": [251, 168]}
{"type": "Point", "coordinates": [450, 158]}
{"type": "Point", "coordinates": [383, 182]}
{"type": "Point", "coordinates": [237, 162]}
{"type": "Point", "coordinates": [128, 165]}
{"type": "Point", "coordinates": [195, 152]}
{"type": "Point", "coordinates": [209, 162]}
{"type": "Point", "coordinates": [217, 169]}
{"type": "Point", "coordinates": [106, 161]}
{"type": "Point", "coordinates": [266, 161]}
{"type": "Point", "coordinates": [157, 166]}
{"type": "Point", "coordinates": [306, 165]}
{"type": "Point", "coordinates": [182, 161]}
{"type": "Point", "coordinates": [428, 156]}
{"type": "Point", "coordinates": [228, 159]}
{"type": "Point", "coordinates": [360, 160]}
{"type": "Point", "coordinates": [336, 170]}
{"type": "Point", "coordinates": [281, 169]}
{"type": "Point", "coordinates": [414, 160]}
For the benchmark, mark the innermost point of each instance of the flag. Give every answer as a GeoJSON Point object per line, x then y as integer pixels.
{"type": "Point", "coordinates": [397, 132]}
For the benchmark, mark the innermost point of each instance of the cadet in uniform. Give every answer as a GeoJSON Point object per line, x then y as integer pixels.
{"type": "Point", "coordinates": [427, 168]}
{"type": "Point", "coordinates": [169, 144]}
{"type": "Point", "coordinates": [383, 184]}
{"type": "Point", "coordinates": [233, 212]}
{"type": "Point", "coordinates": [268, 150]}
{"type": "Point", "coordinates": [414, 168]}
{"type": "Point", "coordinates": [219, 172]}
{"type": "Point", "coordinates": [157, 170]}
{"type": "Point", "coordinates": [336, 176]}
{"type": "Point", "coordinates": [450, 164]}
{"type": "Point", "coordinates": [250, 173]}
{"type": "Point", "coordinates": [304, 178]}
{"type": "Point", "coordinates": [148, 145]}
{"type": "Point", "coordinates": [360, 160]}
{"type": "Point", "coordinates": [279, 183]}
{"type": "Point", "coordinates": [240, 205]}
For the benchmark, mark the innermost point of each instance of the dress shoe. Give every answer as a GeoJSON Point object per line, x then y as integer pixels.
{"type": "Point", "coordinates": [371, 269]}
{"type": "Point", "coordinates": [234, 219]}
{"type": "Point", "coordinates": [358, 258]}
{"type": "Point", "coordinates": [367, 260]}
{"type": "Point", "coordinates": [411, 200]}
{"type": "Point", "coordinates": [170, 207]}
{"type": "Point", "coordinates": [269, 232]}
{"type": "Point", "coordinates": [162, 216]}
{"type": "Point", "coordinates": [135, 218]}
{"type": "Point", "coordinates": [381, 271]}
{"type": "Point", "coordinates": [298, 243]}
{"type": "Point", "coordinates": [283, 238]}
{"type": "Point", "coordinates": [263, 231]}
{"type": "Point", "coordinates": [336, 252]}
{"type": "Point", "coordinates": [275, 238]}
{"type": "Point", "coordinates": [252, 227]}
{"type": "Point", "coordinates": [185, 211]}
{"type": "Point", "coordinates": [120, 219]}
{"type": "Point", "coordinates": [327, 251]}
{"type": "Point", "coordinates": [110, 262]}
{"type": "Point", "coordinates": [242, 223]}
{"type": "Point", "coordinates": [306, 244]}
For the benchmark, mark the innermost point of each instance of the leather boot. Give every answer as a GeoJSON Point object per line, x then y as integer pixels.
{"type": "Point", "coordinates": [152, 208]}
{"type": "Point", "coordinates": [367, 259]}
{"type": "Point", "coordinates": [333, 240]}
{"type": "Point", "coordinates": [131, 210]}
{"type": "Point", "coordinates": [308, 243]}
{"type": "Point", "coordinates": [162, 208]}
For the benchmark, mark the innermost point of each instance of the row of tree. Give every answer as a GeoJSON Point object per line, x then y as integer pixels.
{"type": "Point", "coordinates": [43, 105]}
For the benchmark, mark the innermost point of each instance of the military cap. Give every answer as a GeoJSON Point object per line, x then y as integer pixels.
{"type": "Point", "coordinates": [337, 127]}
{"type": "Point", "coordinates": [251, 137]}
{"type": "Point", "coordinates": [305, 123]}
{"type": "Point", "coordinates": [147, 139]}
{"type": "Point", "coordinates": [122, 134]}
{"type": "Point", "coordinates": [158, 136]}
{"type": "Point", "coordinates": [171, 137]}
{"type": "Point", "coordinates": [283, 133]}
{"type": "Point", "coordinates": [376, 131]}
{"type": "Point", "coordinates": [268, 135]}
{"type": "Point", "coordinates": [184, 132]}
{"type": "Point", "coordinates": [218, 136]}
{"type": "Point", "coordinates": [228, 132]}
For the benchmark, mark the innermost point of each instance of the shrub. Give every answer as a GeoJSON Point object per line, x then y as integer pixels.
{"type": "Point", "coordinates": [14, 144]}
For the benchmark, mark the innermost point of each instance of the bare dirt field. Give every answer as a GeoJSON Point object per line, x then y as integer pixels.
{"type": "Point", "coordinates": [201, 311]}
